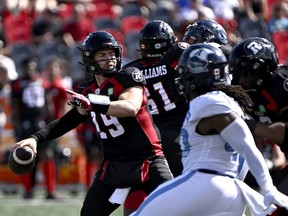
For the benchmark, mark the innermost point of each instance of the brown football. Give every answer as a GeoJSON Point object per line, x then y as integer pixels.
{"type": "Point", "coordinates": [21, 160]}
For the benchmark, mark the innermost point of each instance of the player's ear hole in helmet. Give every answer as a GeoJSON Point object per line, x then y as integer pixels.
{"type": "Point", "coordinates": [203, 31]}
{"type": "Point", "coordinates": [94, 42]}
{"type": "Point", "coordinates": [201, 67]}
{"type": "Point", "coordinates": [156, 38]}
{"type": "Point", "coordinates": [255, 56]}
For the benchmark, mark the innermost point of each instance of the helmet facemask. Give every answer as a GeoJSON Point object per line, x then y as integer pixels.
{"type": "Point", "coordinates": [93, 67]}
{"type": "Point", "coordinates": [201, 67]}
{"type": "Point", "coordinates": [95, 42]}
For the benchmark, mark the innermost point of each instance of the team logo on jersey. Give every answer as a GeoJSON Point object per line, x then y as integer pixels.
{"type": "Point", "coordinates": [183, 45]}
{"type": "Point", "coordinates": [110, 91]}
{"type": "Point", "coordinates": [97, 91]}
{"type": "Point", "coordinates": [137, 75]}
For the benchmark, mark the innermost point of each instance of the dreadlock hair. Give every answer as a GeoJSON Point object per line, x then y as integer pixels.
{"type": "Point", "coordinates": [238, 93]}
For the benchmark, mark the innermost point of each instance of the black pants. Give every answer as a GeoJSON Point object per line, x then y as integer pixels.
{"type": "Point", "coordinates": [97, 203]}
{"type": "Point", "coordinates": [172, 151]}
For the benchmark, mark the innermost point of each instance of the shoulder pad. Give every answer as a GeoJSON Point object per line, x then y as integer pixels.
{"type": "Point", "coordinates": [134, 72]}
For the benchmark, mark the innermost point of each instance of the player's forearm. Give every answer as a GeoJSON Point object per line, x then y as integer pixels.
{"type": "Point", "coordinates": [237, 134]}
{"type": "Point", "coordinates": [60, 126]}
{"type": "Point", "coordinates": [276, 132]}
{"type": "Point", "coordinates": [122, 108]}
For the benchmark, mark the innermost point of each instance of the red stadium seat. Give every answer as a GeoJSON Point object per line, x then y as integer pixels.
{"type": "Point", "coordinates": [17, 29]}
{"type": "Point", "coordinates": [132, 23]}
{"type": "Point", "coordinates": [280, 40]}
{"type": "Point", "coordinates": [102, 9]}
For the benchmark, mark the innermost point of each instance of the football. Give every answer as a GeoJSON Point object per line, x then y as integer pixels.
{"type": "Point", "coordinates": [21, 160]}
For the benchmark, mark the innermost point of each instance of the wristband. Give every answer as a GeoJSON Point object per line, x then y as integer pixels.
{"type": "Point", "coordinates": [284, 145]}
{"type": "Point", "coordinates": [34, 137]}
{"type": "Point", "coordinates": [99, 103]}
{"type": "Point", "coordinates": [251, 124]}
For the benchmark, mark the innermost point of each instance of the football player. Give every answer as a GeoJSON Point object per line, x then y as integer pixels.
{"type": "Point", "coordinates": [254, 65]}
{"type": "Point", "coordinates": [29, 113]}
{"type": "Point", "coordinates": [115, 100]}
{"type": "Point", "coordinates": [160, 51]}
{"type": "Point", "coordinates": [213, 137]}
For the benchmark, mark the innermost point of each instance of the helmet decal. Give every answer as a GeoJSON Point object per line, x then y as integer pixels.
{"type": "Point", "coordinates": [254, 56]}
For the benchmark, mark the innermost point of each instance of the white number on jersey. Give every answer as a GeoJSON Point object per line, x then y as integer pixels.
{"type": "Point", "coordinates": [34, 96]}
{"type": "Point", "coordinates": [115, 130]}
{"type": "Point", "coordinates": [168, 105]}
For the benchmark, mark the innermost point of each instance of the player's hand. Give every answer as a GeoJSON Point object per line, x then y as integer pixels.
{"type": "Point", "coordinates": [31, 142]}
{"type": "Point", "coordinates": [273, 196]}
{"type": "Point", "coordinates": [79, 100]}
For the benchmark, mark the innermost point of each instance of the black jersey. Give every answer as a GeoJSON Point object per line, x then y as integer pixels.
{"type": "Point", "coordinates": [271, 101]}
{"type": "Point", "coordinates": [129, 138]}
{"type": "Point", "coordinates": [30, 94]}
{"type": "Point", "coordinates": [167, 107]}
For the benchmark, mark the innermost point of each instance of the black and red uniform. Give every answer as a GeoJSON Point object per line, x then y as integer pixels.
{"type": "Point", "coordinates": [28, 99]}
{"type": "Point", "coordinates": [29, 114]}
{"type": "Point", "coordinates": [132, 150]}
{"type": "Point", "coordinates": [270, 105]}
{"type": "Point", "coordinates": [167, 106]}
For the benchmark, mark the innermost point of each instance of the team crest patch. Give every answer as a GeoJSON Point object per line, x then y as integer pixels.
{"type": "Point", "coordinates": [183, 45]}
{"type": "Point", "coordinates": [137, 75]}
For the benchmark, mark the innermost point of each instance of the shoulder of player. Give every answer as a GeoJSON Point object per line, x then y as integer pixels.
{"type": "Point", "coordinates": [211, 103]}
{"type": "Point", "coordinates": [175, 51]}
{"type": "Point", "coordinates": [128, 70]}
{"type": "Point", "coordinates": [130, 75]}
{"type": "Point", "coordinates": [84, 85]}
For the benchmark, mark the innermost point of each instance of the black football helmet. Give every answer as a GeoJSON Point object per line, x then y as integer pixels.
{"type": "Point", "coordinates": [254, 56]}
{"type": "Point", "coordinates": [156, 38]}
{"type": "Point", "coordinates": [94, 42]}
{"type": "Point", "coordinates": [201, 67]}
{"type": "Point", "coordinates": [203, 31]}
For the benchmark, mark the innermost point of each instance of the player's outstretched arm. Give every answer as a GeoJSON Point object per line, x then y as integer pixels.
{"type": "Point", "coordinates": [276, 132]}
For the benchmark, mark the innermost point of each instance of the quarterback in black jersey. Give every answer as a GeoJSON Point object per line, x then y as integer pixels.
{"type": "Point", "coordinates": [254, 65]}
{"type": "Point", "coordinates": [115, 100]}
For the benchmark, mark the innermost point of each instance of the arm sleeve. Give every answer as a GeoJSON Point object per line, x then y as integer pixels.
{"type": "Point", "coordinates": [60, 126]}
{"type": "Point", "coordinates": [238, 135]}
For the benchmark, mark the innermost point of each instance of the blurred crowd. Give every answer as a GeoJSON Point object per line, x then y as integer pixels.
{"type": "Point", "coordinates": [48, 28]}
{"type": "Point", "coordinates": [47, 33]}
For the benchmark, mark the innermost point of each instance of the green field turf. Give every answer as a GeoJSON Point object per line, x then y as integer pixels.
{"type": "Point", "coordinates": [68, 205]}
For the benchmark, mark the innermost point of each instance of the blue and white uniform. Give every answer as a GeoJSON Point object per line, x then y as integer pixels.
{"type": "Point", "coordinates": [209, 185]}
